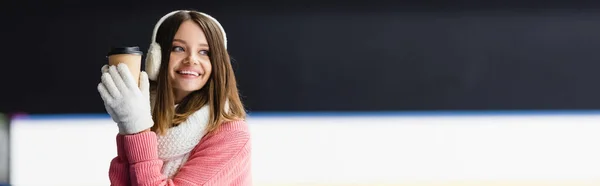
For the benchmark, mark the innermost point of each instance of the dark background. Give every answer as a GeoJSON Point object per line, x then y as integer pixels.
{"type": "Point", "coordinates": [324, 55]}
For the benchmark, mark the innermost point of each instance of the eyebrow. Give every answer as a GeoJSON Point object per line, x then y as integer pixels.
{"type": "Point", "coordinates": [182, 41]}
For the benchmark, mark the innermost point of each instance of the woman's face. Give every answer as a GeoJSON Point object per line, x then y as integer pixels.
{"type": "Point", "coordinates": [189, 64]}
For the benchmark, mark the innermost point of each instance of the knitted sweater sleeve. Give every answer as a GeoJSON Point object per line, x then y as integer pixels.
{"type": "Point", "coordinates": [221, 158]}
{"type": "Point", "coordinates": [118, 172]}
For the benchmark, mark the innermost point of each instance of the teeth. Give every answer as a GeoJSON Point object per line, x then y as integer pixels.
{"type": "Point", "coordinates": [189, 72]}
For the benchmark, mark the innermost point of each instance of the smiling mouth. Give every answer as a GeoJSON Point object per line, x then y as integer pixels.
{"type": "Point", "coordinates": [189, 73]}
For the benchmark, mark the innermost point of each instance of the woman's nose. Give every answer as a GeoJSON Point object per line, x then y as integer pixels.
{"type": "Point", "coordinates": [192, 59]}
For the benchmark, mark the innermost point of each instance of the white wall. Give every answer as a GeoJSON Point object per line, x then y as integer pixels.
{"type": "Point", "coordinates": [3, 149]}
{"type": "Point", "coordinates": [329, 150]}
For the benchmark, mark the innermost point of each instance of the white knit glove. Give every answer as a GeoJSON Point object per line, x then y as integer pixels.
{"type": "Point", "coordinates": [127, 104]}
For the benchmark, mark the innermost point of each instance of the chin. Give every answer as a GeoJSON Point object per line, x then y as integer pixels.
{"type": "Point", "coordinates": [189, 86]}
{"type": "Point", "coordinates": [189, 89]}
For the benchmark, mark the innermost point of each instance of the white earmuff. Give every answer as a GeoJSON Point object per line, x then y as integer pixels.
{"type": "Point", "coordinates": [153, 57]}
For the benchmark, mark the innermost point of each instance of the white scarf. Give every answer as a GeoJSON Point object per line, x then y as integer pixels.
{"type": "Point", "coordinates": [175, 146]}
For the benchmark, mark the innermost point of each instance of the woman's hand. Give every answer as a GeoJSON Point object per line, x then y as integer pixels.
{"type": "Point", "coordinates": [127, 104]}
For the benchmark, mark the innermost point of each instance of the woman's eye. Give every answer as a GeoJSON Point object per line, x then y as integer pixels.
{"type": "Point", "coordinates": [177, 49]}
{"type": "Point", "coordinates": [203, 52]}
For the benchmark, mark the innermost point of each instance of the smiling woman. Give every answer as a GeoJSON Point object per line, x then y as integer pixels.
{"type": "Point", "coordinates": [197, 45]}
{"type": "Point", "coordinates": [185, 125]}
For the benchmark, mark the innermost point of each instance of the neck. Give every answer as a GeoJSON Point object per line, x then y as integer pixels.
{"type": "Point", "coordinates": [179, 95]}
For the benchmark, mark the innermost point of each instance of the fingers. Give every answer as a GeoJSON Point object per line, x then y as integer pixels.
{"type": "Point", "coordinates": [144, 84]}
{"type": "Point", "coordinates": [104, 93]}
{"type": "Point", "coordinates": [117, 80]}
{"type": "Point", "coordinates": [105, 68]}
{"type": "Point", "coordinates": [110, 86]}
{"type": "Point", "coordinates": [126, 76]}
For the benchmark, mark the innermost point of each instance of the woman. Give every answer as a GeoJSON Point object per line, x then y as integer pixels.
{"type": "Point", "coordinates": [184, 124]}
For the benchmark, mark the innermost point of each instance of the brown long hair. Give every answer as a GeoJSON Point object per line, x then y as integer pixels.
{"type": "Point", "coordinates": [220, 88]}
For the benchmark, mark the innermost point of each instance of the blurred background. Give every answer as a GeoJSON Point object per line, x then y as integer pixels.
{"type": "Point", "coordinates": [338, 93]}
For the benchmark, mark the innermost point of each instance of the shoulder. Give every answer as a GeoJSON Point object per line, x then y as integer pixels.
{"type": "Point", "coordinates": [231, 134]}
{"type": "Point", "coordinates": [231, 141]}
{"type": "Point", "coordinates": [236, 130]}
{"type": "Point", "coordinates": [235, 125]}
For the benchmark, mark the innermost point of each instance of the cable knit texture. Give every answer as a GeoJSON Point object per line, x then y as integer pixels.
{"type": "Point", "coordinates": [175, 146]}
{"type": "Point", "coordinates": [220, 158]}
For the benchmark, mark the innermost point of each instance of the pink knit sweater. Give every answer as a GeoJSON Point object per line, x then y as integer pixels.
{"type": "Point", "coordinates": [221, 158]}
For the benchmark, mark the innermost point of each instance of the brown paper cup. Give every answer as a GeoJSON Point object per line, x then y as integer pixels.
{"type": "Point", "coordinates": [131, 56]}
